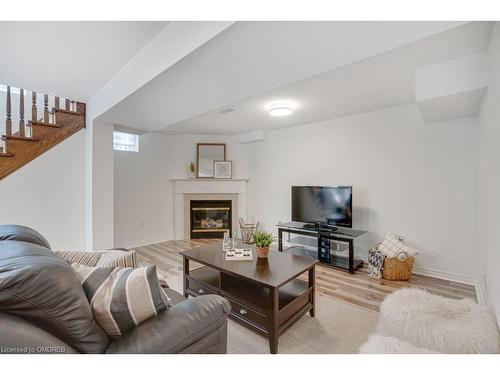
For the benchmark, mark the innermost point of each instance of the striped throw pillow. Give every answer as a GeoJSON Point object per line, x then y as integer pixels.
{"type": "Point", "coordinates": [121, 298]}
{"type": "Point", "coordinates": [108, 258]}
{"type": "Point", "coordinates": [87, 258]}
{"type": "Point", "coordinates": [118, 258]}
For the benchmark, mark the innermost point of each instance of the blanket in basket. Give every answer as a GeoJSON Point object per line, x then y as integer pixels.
{"type": "Point", "coordinates": [375, 263]}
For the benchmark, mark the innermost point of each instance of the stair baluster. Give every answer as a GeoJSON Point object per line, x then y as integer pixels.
{"type": "Point", "coordinates": [34, 113]}
{"type": "Point", "coordinates": [8, 120]}
{"type": "Point", "coordinates": [21, 113]}
{"type": "Point", "coordinates": [46, 108]}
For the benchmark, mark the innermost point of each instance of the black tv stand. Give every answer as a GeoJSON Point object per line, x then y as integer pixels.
{"type": "Point", "coordinates": [316, 226]}
{"type": "Point", "coordinates": [325, 235]}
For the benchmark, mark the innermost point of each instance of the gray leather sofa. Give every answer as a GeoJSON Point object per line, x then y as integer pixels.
{"type": "Point", "coordinates": [43, 309]}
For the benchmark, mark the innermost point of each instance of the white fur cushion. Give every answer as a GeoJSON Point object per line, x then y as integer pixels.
{"type": "Point", "coordinates": [437, 323]}
{"type": "Point", "coordinates": [378, 344]}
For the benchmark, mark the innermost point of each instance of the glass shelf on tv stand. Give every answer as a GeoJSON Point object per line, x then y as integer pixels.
{"type": "Point", "coordinates": [341, 254]}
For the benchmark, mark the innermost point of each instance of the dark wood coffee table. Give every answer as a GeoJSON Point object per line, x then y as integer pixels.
{"type": "Point", "coordinates": [265, 294]}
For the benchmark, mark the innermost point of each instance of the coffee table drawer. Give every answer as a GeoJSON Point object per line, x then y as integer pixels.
{"type": "Point", "coordinates": [203, 280]}
{"type": "Point", "coordinates": [248, 314]}
{"type": "Point", "coordinates": [200, 288]}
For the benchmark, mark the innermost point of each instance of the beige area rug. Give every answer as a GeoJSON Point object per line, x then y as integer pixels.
{"type": "Point", "coordinates": [337, 328]}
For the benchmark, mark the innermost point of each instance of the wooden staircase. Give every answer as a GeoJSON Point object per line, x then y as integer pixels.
{"type": "Point", "coordinates": [18, 148]}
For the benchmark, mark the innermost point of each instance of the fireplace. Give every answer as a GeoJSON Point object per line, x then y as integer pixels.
{"type": "Point", "coordinates": [210, 218]}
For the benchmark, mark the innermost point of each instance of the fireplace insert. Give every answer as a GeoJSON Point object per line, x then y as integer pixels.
{"type": "Point", "coordinates": [210, 218]}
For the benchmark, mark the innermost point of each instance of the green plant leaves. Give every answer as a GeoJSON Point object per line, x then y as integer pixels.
{"type": "Point", "coordinates": [263, 239]}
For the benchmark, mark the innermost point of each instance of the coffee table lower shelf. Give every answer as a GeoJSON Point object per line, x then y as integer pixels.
{"type": "Point", "coordinates": [251, 303]}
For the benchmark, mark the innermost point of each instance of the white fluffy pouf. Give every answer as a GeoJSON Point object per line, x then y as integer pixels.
{"type": "Point", "coordinates": [437, 323]}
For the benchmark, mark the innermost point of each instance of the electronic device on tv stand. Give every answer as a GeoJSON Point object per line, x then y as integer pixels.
{"type": "Point", "coordinates": [321, 225]}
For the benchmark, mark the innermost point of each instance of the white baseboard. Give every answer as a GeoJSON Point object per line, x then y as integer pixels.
{"type": "Point", "coordinates": [451, 276]}
{"type": "Point", "coordinates": [481, 293]}
{"type": "Point", "coordinates": [128, 245]}
{"type": "Point", "coordinates": [445, 275]}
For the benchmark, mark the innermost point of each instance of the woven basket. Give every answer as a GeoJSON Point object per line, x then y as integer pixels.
{"type": "Point", "coordinates": [398, 268]}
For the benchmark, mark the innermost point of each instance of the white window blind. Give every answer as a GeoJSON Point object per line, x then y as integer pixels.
{"type": "Point", "coordinates": [125, 142]}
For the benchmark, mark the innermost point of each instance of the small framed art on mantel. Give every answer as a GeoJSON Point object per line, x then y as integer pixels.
{"type": "Point", "coordinates": [223, 169]}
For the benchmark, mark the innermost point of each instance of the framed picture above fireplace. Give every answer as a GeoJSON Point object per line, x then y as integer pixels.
{"type": "Point", "coordinates": [206, 154]}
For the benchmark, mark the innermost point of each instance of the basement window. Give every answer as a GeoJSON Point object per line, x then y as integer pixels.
{"type": "Point", "coordinates": [125, 142]}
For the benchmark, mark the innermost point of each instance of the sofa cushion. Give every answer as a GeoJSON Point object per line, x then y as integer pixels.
{"type": "Point", "coordinates": [17, 336]}
{"type": "Point", "coordinates": [20, 233]}
{"type": "Point", "coordinates": [438, 323]}
{"type": "Point", "coordinates": [121, 298]}
{"type": "Point", "coordinates": [177, 328]}
{"type": "Point", "coordinates": [38, 286]}
{"type": "Point", "coordinates": [172, 295]}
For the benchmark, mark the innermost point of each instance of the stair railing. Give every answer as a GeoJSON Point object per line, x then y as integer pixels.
{"type": "Point", "coordinates": [51, 103]}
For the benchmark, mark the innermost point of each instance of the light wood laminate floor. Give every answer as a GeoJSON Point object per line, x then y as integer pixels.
{"type": "Point", "coordinates": [358, 289]}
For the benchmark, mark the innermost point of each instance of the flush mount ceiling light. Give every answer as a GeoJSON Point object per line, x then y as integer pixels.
{"type": "Point", "coordinates": [280, 109]}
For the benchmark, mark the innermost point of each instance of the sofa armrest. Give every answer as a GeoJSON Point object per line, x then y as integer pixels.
{"type": "Point", "coordinates": [176, 328]}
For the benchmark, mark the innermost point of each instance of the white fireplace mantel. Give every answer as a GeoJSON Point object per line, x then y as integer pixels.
{"type": "Point", "coordinates": [210, 186]}
{"type": "Point", "coordinates": [185, 189]}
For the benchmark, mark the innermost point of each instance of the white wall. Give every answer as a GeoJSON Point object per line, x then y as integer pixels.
{"type": "Point", "coordinates": [143, 197]}
{"type": "Point", "coordinates": [488, 178]}
{"type": "Point", "coordinates": [48, 194]}
{"type": "Point", "coordinates": [102, 186]}
{"type": "Point", "coordinates": [143, 192]}
{"type": "Point", "coordinates": [408, 177]}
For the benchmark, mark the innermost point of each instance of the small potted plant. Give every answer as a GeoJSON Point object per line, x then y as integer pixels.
{"type": "Point", "coordinates": [262, 241]}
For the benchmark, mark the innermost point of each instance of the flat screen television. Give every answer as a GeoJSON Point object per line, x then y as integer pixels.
{"type": "Point", "coordinates": [323, 205]}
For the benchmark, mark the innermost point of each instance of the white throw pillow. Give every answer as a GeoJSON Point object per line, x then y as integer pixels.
{"type": "Point", "coordinates": [391, 247]}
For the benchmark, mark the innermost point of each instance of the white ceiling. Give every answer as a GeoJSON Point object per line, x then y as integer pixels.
{"type": "Point", "coordinates": [70, 59]}
{"type": "Point", "coordinates": [381, 81]}
{"type": "Point", "coordinates": [250, 59]}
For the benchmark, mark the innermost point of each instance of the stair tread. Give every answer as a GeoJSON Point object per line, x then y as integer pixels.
{"type": "Point", "coordinates": [41, 123]}
{"type": "Point", "coordinates": [5, 154]}
{"type": "Point", "coordinates": [19, 138]}
{"type": "Point", "coordinates": [67, 111]}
